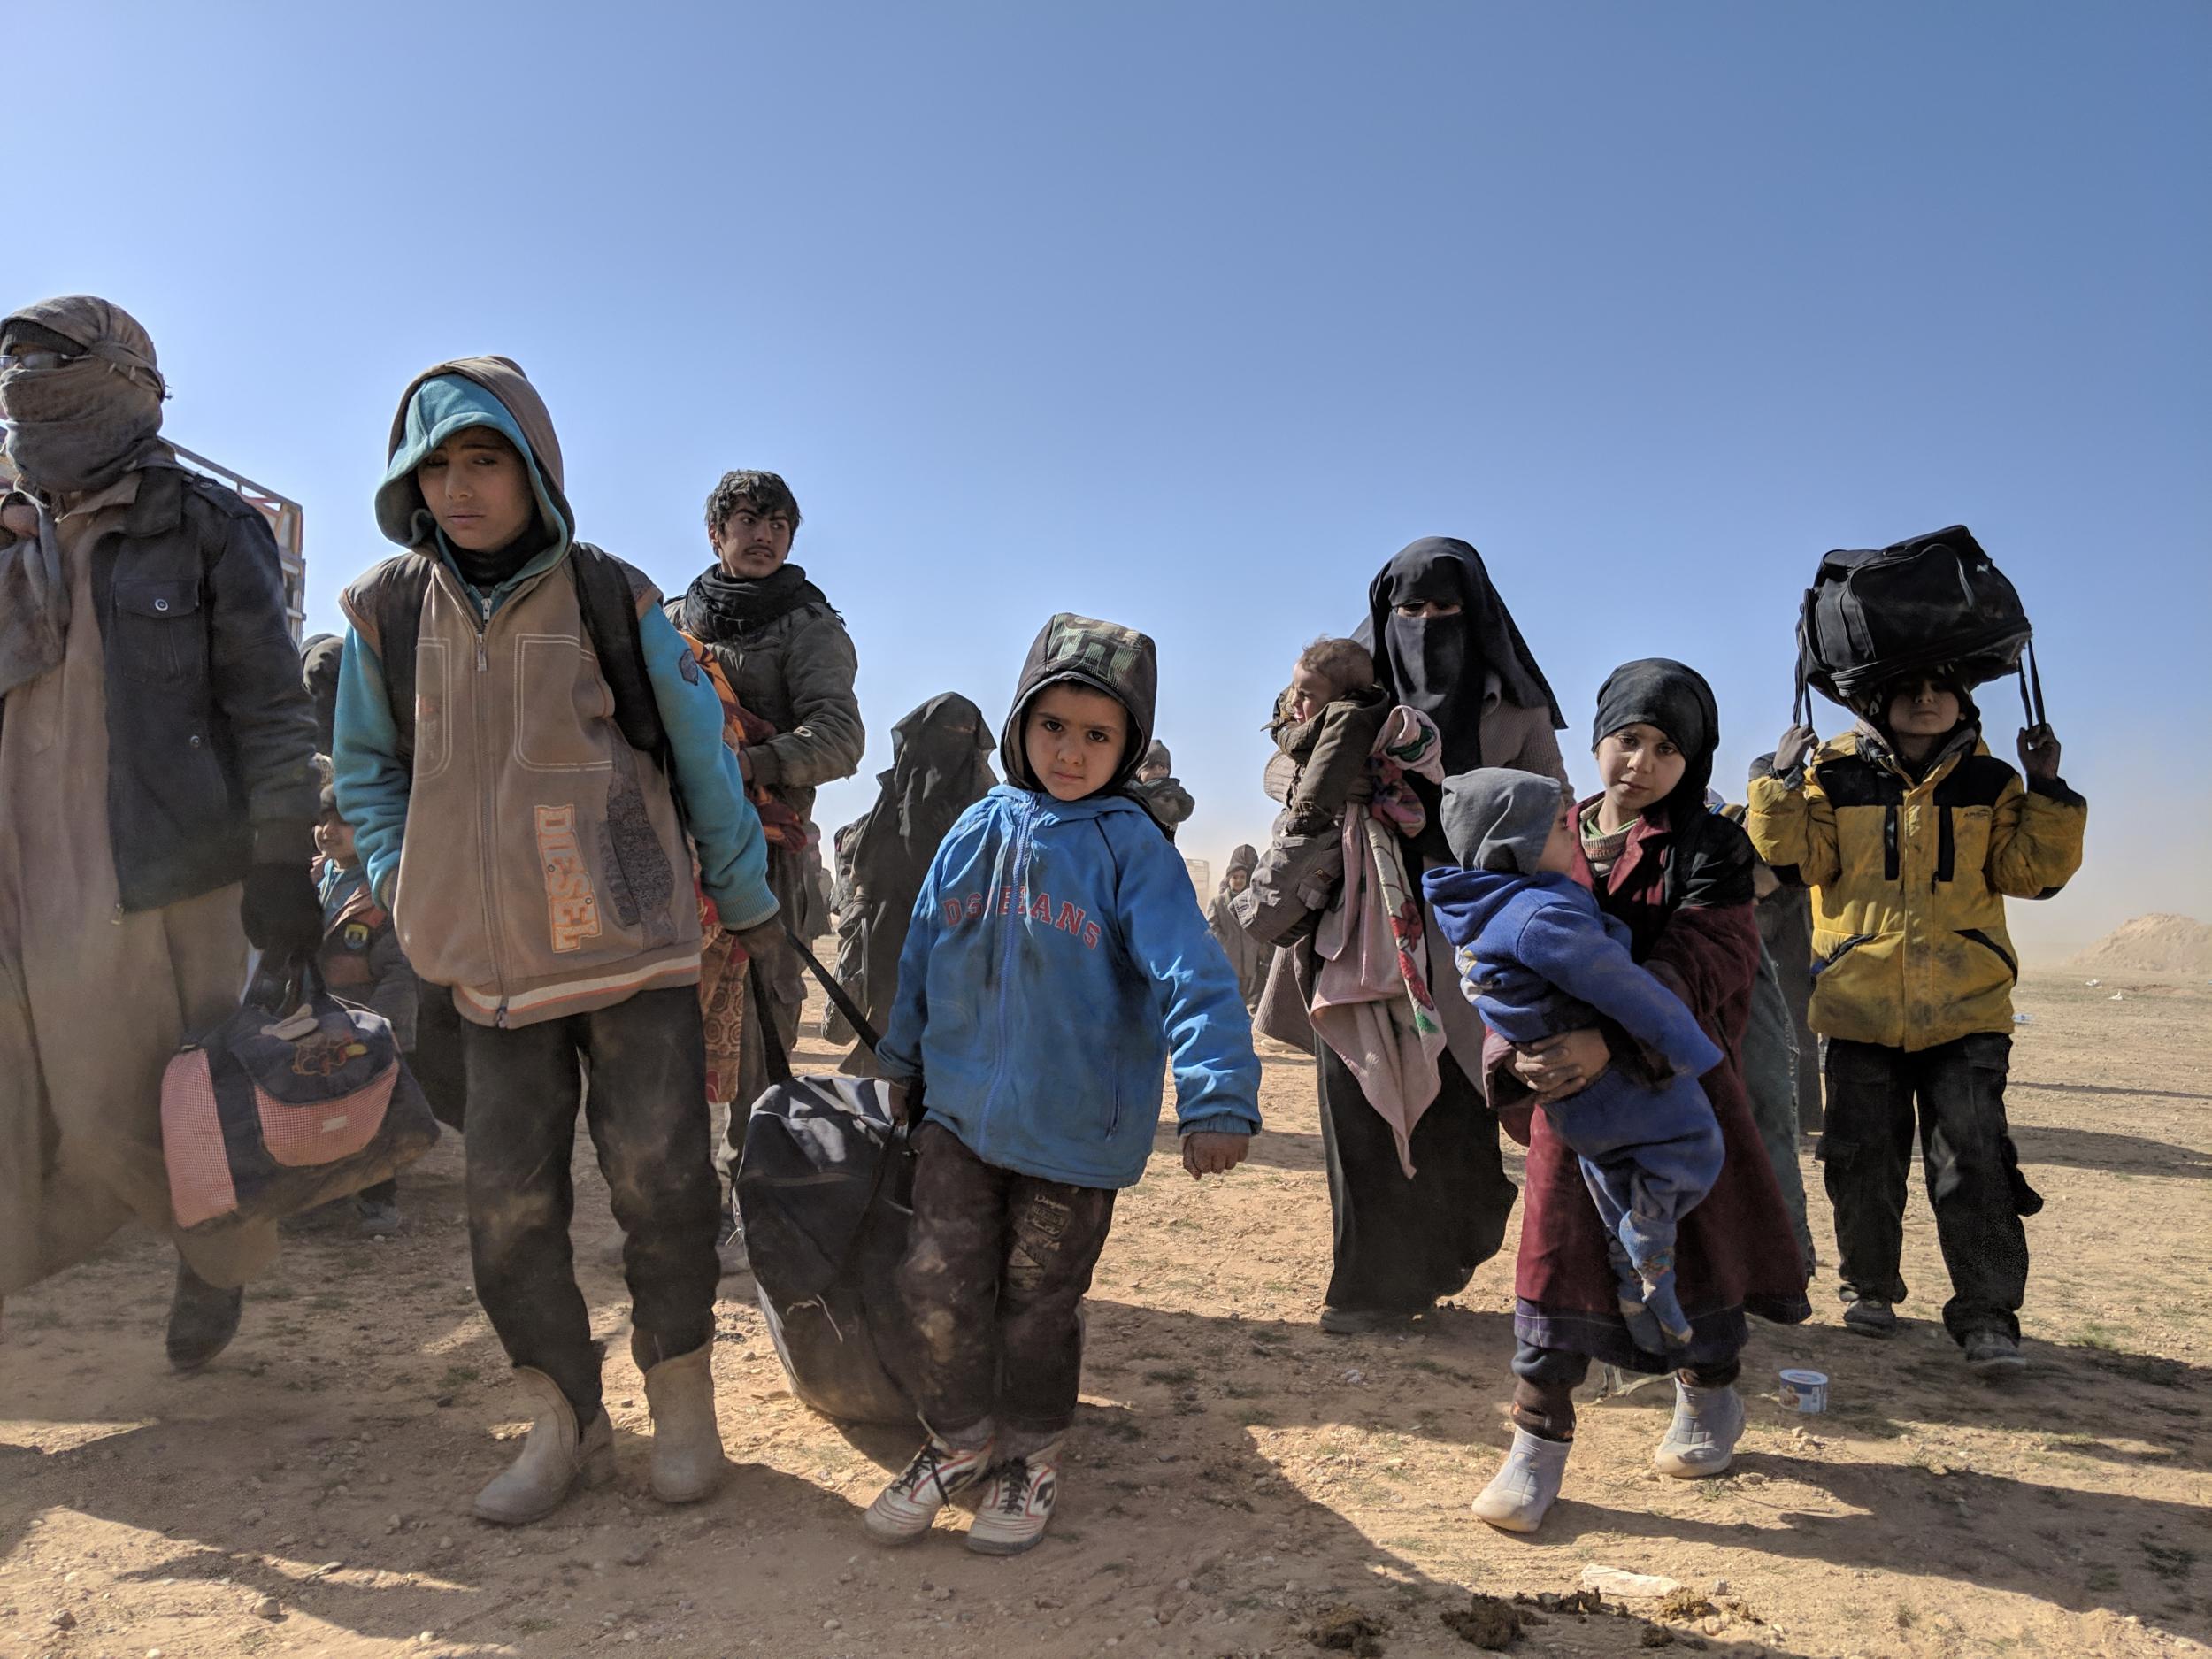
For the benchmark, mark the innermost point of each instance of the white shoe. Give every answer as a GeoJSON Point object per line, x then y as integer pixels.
{"type": "Point", "coordinates": [1017, 1505]}
{"type": "Point", "coordinates": [902, 1511]}
{"type": "Point", "coordinates": [1701, 1440]}
{"type": "Point", "coordinates": [1521, 1494]}
{"type": "Point", "coordinates": [556, 1455]}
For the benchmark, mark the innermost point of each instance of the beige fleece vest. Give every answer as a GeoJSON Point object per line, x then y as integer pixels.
{"type": "Point", "coordinates": [544, 870]}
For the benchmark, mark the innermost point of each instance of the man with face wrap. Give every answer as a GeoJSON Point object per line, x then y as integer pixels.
{"type": "Point", "coordinates": [157, 797]}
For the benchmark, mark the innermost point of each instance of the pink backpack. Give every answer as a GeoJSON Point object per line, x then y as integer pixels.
{"type": "Point", "coordinates": [272, 1113]}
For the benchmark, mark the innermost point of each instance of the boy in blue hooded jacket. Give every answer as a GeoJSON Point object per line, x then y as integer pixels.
{"type": "Point", "coordinates": [1539, 958]}
{"type": "Point", "coordinates": [1057, 958]}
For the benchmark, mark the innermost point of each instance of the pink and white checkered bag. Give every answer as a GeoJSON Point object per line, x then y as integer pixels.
{"type": "Point", "coordinates": [272, 1113]}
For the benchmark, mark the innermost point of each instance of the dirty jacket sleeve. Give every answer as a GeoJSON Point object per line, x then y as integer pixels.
{"type": "Point", "coordinates": [373, 785]}
{"type": "Point", "coordinates": [1576, 954]}
{"type": "Point", "coordinates": [2035, 838]}
{"type": "Point", "coordinates": [1793, 828]}
{"type": "Point", "coordinates": [1201, 1008]}
{"type": "Point", "coordinates": [254, 674]}
{"type": "Point", "coordinates": [723, 824]}
{"type": "Point", "coordinates": [827, 738]}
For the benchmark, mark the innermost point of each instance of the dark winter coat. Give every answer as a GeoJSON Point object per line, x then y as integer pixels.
{"type": "Point", "coordinates": [211, 739]}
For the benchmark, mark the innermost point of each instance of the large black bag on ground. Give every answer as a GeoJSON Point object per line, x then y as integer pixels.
{"type": "Point", "coordinates": [824, 1189]}
{"type": "Point", "coordinates": [1935, 601]}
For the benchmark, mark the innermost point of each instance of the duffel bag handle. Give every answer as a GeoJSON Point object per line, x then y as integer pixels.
{"type": "Point", "coordinates": [2031, 687]}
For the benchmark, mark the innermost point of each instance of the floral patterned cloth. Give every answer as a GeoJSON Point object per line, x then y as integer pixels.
{"type": "Point", "coordinates": [722, 960]}
{"type": "Point", "coordinates": [1371, 1001]}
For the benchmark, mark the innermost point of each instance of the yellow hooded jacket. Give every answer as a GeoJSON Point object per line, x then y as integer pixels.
{"type": "Point", "coordinates": [1910, 881]}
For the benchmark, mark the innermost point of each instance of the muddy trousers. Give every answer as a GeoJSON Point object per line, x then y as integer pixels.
{"type": "Point", "coordinates": [1545, 1378]}
{"type": "Point", "coordinates": [993, 1281]}
{"type": "Point", "coordinates": [646, 1112]}
{"type": "Point", "coordinates": [1973, 1172]}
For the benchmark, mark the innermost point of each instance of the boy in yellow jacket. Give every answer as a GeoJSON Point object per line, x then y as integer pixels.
{"type": "Point", "coordinates": [1912, 835]}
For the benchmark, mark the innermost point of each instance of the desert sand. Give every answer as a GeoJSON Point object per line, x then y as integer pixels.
{"type": "Point", "coordinates": [1239, 1483]}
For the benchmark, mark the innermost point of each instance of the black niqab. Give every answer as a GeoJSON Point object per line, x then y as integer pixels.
{"type": "Point", "coordinates": [941, 765]}
{"type": "Point", "coordinates": [1441, 665]}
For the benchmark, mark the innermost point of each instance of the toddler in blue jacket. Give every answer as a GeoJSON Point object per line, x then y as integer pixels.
{"type": "Point", "coordinates": [1538, 958]}
{"type": "Point", "coordinates": [1057, 960]}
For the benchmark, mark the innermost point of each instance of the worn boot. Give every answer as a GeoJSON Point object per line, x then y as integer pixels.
{"type": "Point", "coordinates": [1521, 1494]}
{"type": "Point", "coordinates": [555, 1456]}
{"type": "Point", "coordinates": [687, 1440]}
{"type": "Point", "coordinates": [1701, 1440]}
{"type": "Point", "coordinates": [202, 1320]}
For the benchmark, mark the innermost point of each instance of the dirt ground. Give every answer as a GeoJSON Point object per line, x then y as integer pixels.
{"type": "Point", "coordinates": [1239, 1483]}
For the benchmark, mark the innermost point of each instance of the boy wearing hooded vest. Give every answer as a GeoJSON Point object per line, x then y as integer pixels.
{"type": "Point", "coordinates": [1912, 835]}
{"type": "Point", "coordinates": [535, 861]}
{"type": "Point", "coordinates": [1056, 959]}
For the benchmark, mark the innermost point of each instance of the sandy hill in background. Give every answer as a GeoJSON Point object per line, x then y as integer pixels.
{"type": "Point", "coordinates": [2151, 944]}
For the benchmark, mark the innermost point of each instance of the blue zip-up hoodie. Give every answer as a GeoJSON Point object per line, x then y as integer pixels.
{"type": "Point", "coordinates": [1058, 960]}
{"type": "Point", "coordinates": [1537, 955]}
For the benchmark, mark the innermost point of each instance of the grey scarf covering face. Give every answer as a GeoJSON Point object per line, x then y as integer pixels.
{"type": "Point", "coordinates": [74, 429]}
{"type": "Point", "coordinates": [82, 425]}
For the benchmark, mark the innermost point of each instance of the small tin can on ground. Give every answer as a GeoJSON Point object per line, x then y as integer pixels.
{"type": "Point", "coordinates": [1805, 1390]}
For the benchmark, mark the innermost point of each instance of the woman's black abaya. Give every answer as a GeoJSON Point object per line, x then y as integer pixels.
{"type": "Point", "coordinates": [1401, 1245]}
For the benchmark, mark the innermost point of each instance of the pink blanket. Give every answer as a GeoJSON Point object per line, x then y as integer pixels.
{"type": "Point", "coordinates": [1372, 1002]}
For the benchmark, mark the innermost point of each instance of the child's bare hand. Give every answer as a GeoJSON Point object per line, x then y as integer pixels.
{"type": "Point", "coordinates": [1556, 1067]}
{"type": "Point", "coordinates": [897, 1095]}
{"type": "Point", "coordinates": [1211, 1152]}
{"type": "Point", "coordinates": [2038, 752]}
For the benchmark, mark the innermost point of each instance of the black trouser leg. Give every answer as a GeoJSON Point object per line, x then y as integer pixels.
{"type": "Point", "coordinates": [648, 1113]}
{"type": "Point", "coordinates": [1963, 1140]}
{"type": "Point", "coordinates": [1545, 1378]}
{"type": "Point", "coordinates": [1865, 1152]}
{"type": "Point", "coordinates": [1055, 1234]}
{"type": "Point", "coordinates": [948, 1282]}
{"type": "Point", "coordinates": [523, 1086]}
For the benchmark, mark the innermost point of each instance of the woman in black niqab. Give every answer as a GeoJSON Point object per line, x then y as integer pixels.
{"type": "Point", "coordinates": [1443, 643]}
{"type": "Point", "coordinates": [1442, 662]}
{"type": "Point", "coordinates": [941, 766]}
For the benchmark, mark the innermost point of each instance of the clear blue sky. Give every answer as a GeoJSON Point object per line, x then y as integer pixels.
{"type": "Point", "coordinates": [1189, 316]}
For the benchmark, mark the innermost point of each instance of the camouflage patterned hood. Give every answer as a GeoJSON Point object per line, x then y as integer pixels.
{"type": "Point", "coordinates": [1103, 655]}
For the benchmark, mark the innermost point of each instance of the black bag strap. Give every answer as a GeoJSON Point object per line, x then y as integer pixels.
{"type": "Point", "coordinates": [604, 598]}
{"type": "Point", "coordinates": [778, 1062]}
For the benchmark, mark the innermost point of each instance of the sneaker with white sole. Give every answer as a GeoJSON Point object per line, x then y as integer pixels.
{"type": "Point", "coordinates": [1017, 1506]}
{"type": "Point", "coordinates": [902, 1511]}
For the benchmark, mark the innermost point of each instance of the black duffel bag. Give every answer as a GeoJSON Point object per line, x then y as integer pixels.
{"type": "Point", "coordinates": [824, 1189]}
{"type": "Point", "coordinates": [1936, 601]}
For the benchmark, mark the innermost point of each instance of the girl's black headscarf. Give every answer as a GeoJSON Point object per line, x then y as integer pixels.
{"type": "Point", "coordinates": [1440, 665]}
{"type": "Point", "coordinates": [1673, 696]}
